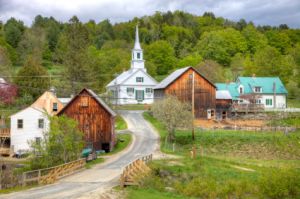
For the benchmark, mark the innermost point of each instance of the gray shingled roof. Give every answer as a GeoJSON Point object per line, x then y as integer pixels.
{"type": "Point", "coordinates": [223, 94]}
{"type": "Point", "coordinates": [168, 80]}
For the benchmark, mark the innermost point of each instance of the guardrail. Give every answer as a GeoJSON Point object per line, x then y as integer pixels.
{"type": "Point", "coordinates": [52, 174]}
{"type": "Point", "coordinates": [5, 151]}
{"type": "Point", "coordinates": [135, 170]}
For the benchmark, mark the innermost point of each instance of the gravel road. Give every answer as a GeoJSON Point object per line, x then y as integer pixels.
{"type": "Point", "coordinates": [103, 176]}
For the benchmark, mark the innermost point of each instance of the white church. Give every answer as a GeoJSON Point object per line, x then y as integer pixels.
{"type": "Point", "coordinates": [134, 86]}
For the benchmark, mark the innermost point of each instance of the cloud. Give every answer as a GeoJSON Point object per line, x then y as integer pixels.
{"type": "Point", "coordinates": [263, 12]}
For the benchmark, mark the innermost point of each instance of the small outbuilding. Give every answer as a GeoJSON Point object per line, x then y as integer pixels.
{"type": "Point", "coordinates": [95, 119]}
{"type": "Point", "coordinates": [223, 104]}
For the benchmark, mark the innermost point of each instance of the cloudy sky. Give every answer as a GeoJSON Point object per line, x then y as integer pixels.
{"type": "Point", "coordinates": [271, 12]}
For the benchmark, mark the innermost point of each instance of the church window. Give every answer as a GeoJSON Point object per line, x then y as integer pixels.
{"type": "Point", "coordinates": [139, 79]}
{"type": "Point", "coordinates": [138, 55]}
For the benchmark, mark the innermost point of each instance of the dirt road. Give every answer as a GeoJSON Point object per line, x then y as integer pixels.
{"type": "Point", "coordinates": [102, 176]}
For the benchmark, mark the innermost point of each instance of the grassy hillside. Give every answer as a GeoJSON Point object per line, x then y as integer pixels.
{"type": "Point", "coordinates": [229, 164]}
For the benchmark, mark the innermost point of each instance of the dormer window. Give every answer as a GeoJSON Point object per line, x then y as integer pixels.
{"type": "Point", "coordinates": [257, 89]}
{"type": "Point", "coordinates": [241, 90]}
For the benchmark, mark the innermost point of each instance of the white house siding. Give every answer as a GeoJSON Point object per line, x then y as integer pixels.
{"type": "Point", "coordinates": [20, 138]}
{"type": "Point", "coordinates": [280, 101]}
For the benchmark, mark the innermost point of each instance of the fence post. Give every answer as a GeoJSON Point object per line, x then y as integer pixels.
{"type": "Point", "coordinates": [23, 179]}
{"type": "Point", "coordinates": [39, 176]}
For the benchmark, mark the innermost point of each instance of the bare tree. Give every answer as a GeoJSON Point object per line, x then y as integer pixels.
{"type": "Point", "coordinates": [173, 114]}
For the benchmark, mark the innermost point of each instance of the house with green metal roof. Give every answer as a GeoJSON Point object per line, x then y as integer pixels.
{"type": "Point", "coordinates": [268, 91]}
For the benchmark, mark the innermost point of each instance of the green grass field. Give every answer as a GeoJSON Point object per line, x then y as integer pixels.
{"type": "Point", "coordinates": [228, 164]}
{"type": "Point", "coordinates": [120, 123]}
{"type": "Point", "coordinates": [293, 103]}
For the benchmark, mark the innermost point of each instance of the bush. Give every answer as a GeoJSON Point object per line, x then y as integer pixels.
{"type": "Point", "coordinates": [280, 184]}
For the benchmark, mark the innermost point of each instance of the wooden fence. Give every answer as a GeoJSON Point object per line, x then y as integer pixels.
{"type": "Point", "coordinates": [52, 174]}
{"type": "Point", "coordinates": [260, 128]}
{"type": "Point", "coordinates": [134, 171]}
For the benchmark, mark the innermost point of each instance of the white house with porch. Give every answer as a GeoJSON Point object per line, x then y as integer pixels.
{"type": "Point", "coordinates": [134, 86]}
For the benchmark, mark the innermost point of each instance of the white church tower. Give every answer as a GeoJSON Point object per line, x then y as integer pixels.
{"type": "Point", "coordinates": [134, 86]}
{"type": "Point", "coordinates": [137, 60]}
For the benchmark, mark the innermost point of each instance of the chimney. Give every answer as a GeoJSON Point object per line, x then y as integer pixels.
{"type": "Point", "coordinates": [227, 83]}
{"type": "Point", "coordinates": [253, 75]}
{"type": "Point", "coordinates": [53, 90]}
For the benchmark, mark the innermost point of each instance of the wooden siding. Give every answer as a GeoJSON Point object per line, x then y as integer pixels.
{"type": "Point", "coordinates": [205, 92]}
{"type": "Point", "coordinates": [94, 120]}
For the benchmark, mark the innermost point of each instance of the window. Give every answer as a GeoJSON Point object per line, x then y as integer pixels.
{"type": "Point", "coordinates": [139, 95]}
{"type": "Point", "coordinates": [241, 90]}
{"type": "Point", "coordinates": [54, 107]}
{"type": "Point", "coordinates": [20, 124]}
{"type": "Point", "coordinates": [138, 55]}
{"type": "Point", "coordinates": [38, 140]}
{"type": "Point", "coordinates": [41, 123]}
{"type": "Point", "coordinates": [139, 79]}
{"type": "Point", "coordinates": [149, 90]}
{"type": "Point", "coordinates": [130, 91]}
{"type": "Point", "coordinates": [258, 101]}
{"type": "Point", "coordinates": [269, 102]}
{"type": "Point", "coordinates": [257, 89]}
{"type": "Point", "coordinates": [85, 101]}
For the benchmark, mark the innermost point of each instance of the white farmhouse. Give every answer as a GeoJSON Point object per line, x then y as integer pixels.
{"type": "Point", "coordinates": [30, 124]}
{"type": "Point", "coordinates": [26, 126]}
{"type": "Point", "coordinates": [134, 86]}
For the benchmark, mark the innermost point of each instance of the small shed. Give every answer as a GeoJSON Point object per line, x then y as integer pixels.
{"type": "Point", "coordinates": [185, 83]}
{"type": "Point", "coordinates": [223, 104]}
{"type": "Point", "coordinates": [95, 119]}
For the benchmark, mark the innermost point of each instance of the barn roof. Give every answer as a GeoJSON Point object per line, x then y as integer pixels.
{"type": "Point", "coordinates": [173, 76]}
{"type": "Point", "coordinates": [223, 94]}
{"type": "Point", "coordinates": [96, 97]}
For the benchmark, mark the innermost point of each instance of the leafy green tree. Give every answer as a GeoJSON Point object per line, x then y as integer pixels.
{"type": "Point", "coordinates": [13, 31]}
{"type": "Point", "coordinates": [237, 65]}
{"type": "Point", "coordinates": [5, 64]}
{"type": "Point", "coordinates": [279, 40]}
{"type": "Point", "coordinates": [162, 55]}
{"type": "Point", "coordinates": [75, 60]}
{"type": "Point", "coordinates": [255, 40]}
{"type": "Point", "coordinates": [63, 143]}
{"type": "Point", "coordinates": [211, 70]}
{"type": "Point", "coordinates": [221, 45]}
{"type": "Point", "coordinates": [33, 44]}
{"type": "Point", "coordinates": [190, 60]}
{"type": "Point", "coordinates": [32, 79]}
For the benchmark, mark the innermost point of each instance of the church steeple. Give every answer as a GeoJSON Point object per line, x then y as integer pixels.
{"type": "Point", "coordinates": [137, 61]}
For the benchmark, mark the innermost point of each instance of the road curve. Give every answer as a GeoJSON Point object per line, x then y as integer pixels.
{"type": "Point", "coordinates": [101, 176]}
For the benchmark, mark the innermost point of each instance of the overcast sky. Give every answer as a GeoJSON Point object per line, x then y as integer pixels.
{"type": "Point", "coordinates": [263, 12]}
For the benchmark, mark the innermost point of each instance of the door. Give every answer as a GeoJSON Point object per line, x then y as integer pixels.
{"type": "Point", "coordinates": [208, 114]}
{"type": "Point", "coordinates": [139, 95]}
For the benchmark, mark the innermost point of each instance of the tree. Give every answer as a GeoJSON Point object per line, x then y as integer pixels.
{"type": "Point", "coordinates": [221, 45]}
{"type": "Point", "coordinates": [190, 60]}
{"type": "Point", "coordinates": [75, 60]}
{"type": "Point", "coordinates": [13, 31]}
{"type": "Point", "coordinates": [32, 78]}
{"type": "Point", "coordinates": [279, 40]}
{"type": "Point", "coordinates": [162, 55]}
{"type": "Point", "coordinates": [255, 40]}
{"type": "Point", "coordinates": [211, 70]}
{"type": "Point", "coordinates": [5, 64]}
{"type": "Point", "coordinates": [173, 114]}
{"type": "Point", "coordinates": [63, 143]}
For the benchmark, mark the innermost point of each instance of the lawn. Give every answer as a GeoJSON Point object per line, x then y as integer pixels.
{"type": "Point", "coordinates": [123, 140]}
{"type": "Point", "coordinates": [133, 107]}
{"type": "Point", "coordinates": [120, 123]}
{"type": "Point", "coordinates": [293, 103]}
{"type": "Point", "coordinates": [229, 164]}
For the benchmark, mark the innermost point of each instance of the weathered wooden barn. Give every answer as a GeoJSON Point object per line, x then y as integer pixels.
{"type": "Point", "coordinates": [95, 119]}
{"type": "Point", "coordinates": [223, 104]}
{"type": "Point", "coordinates": [186, 83]}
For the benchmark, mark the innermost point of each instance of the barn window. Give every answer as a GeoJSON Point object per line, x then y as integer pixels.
{"type": "Point", "coordinates": [54, 107]}
{"type": "Point", "coordinates": [41, 123]}
{"type": "Point", "coordinates": [20, 124]}
{"type": "Point", "coordinates": [139, 79]}
{"type": "Point", "coordinates": [84, 101]}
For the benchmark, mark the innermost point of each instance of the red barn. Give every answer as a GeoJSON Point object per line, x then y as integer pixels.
{"type": "Point", "coordinates": [95, 119]}
{"type": "Point", "coordinates": [182, 83]}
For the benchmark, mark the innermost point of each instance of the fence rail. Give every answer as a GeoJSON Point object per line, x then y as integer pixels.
{"type": "Point", "coordinates": [4, 132]}
{"type": "Point", "coordinates": [52, 174]}
{"type": "Point", "coordinates": [5, 151]}
{"type": "Point", "coordinates": [135, 170]}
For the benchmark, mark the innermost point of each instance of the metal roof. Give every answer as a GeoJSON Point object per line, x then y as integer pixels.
{"type": "Point", "coordinates": [168, 80]}
{"type": "Point", "coordinates": [223, 94]}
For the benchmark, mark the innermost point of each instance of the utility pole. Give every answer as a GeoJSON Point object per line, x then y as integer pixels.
{"type": "Point", "coordinates": [193, 104]}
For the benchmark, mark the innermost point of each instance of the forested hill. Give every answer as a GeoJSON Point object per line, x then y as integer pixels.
{"type": "Point", "coordinates": [90, 54]}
